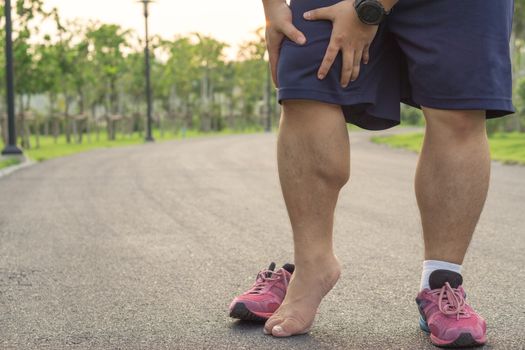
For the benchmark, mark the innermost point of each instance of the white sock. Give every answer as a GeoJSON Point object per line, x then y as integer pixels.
{"type": "Point", "coordinates": [430, 266]}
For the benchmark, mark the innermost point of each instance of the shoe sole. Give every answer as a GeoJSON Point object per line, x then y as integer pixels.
{"type": "Point", "coordinates": [241, 312]}
{"type": "Point", "coordinates": [465, 340]}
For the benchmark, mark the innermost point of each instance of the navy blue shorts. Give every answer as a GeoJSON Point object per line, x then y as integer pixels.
{"type": "Point", "coordinates": [443, 54]}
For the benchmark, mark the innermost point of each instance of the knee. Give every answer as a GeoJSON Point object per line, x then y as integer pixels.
{"type": "Point", "coordinates": [317, 133]}
{"type": "Point", "coordinates": [456, 124]}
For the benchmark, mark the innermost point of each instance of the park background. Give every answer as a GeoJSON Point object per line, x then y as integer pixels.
{"type": "Point", "coordinates": [79, 77]}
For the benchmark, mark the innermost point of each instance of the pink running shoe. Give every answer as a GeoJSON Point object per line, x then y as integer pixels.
{"type": "Point", "coordinates": [265, 296]}
{"type": "Point", "coordinates": [445, 314]}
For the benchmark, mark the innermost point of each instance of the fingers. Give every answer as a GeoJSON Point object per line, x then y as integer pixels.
{"type": "Point", "coordinates": [366, 54]}
{"type": "Point", "coordinates": [353, 41]}
{"type": "Point", "coordinates": [348, 65]}
{"type": "Point", "coordinates": [328, 60]}
{"type": "Point", "coordinates": [357, 64]}
{"type": "Point", "coordinates": [320, 13]}
{"type": "Point", "coordinates": [351, 63]}
{"type": "Point", "coordinates": [274, 46]}
{"type": "Point", "coordinates": [294, 34]}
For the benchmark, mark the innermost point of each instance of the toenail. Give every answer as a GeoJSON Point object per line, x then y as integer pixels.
{"type": "Point", "coordinates": [278, 329]}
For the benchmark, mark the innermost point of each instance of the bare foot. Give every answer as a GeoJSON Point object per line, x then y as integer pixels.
{"type": "Point", "coordinates": [308, 286]}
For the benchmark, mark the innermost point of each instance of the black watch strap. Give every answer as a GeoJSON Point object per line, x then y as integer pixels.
{"type": "Point", "coordinates": [370, 12]}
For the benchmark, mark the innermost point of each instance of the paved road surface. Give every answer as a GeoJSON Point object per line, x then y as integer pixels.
{"type": "Point", "coordinates": [144, 247]}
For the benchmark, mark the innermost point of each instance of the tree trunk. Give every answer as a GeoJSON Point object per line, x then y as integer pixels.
{"type": "Point", "coordinates": [75, 130]}
{"type": "Point", "coordinates": [24, 131]}
{"type": "Point", "coordinates": [97, 126]}
{"type": "Point", "coordinates": [67, 121]}
{"type": "Point", "coordinates": [91, 120]}
{"type": "Point", "coordinates": [56, 129]}
{"type": "Point", "coordinates": [3, 126]}
{"type": "Point", "coordinates": [37, 131]}
{"type": "Point", "coordinates": [52, 118]}
{"type": "Point", "coordinates": [204, 110]}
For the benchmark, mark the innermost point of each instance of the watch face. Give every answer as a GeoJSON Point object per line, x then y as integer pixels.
{"type": "Point", "coordinates": [370, 13]}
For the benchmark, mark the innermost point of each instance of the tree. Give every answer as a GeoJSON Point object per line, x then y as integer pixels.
{"type": "Point", "coordinates": [3, 119]}
{"type": "Point", "coordinates": [47, 68]}
{"type": "Point", "coordinates": [251, 71]}
{"type": "Point", "coordinates": [109, 42]}
{"type": "Point", "coordinates": [210, 60]}
{"type": "Point", "coordinates": [29, 15]}
{"type": "Point", "coordinates": [180, 78]}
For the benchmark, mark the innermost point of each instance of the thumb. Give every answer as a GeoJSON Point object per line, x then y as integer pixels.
{"type": "Point", "coordinates": [320, 13]}
{"type": "Point", "coordinates": [274, 59]}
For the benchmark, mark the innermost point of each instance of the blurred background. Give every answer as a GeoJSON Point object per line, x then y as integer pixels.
{"type": "Point", "coordinates": [79, 73]}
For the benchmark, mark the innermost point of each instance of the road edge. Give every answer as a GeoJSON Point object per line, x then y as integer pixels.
{"type": "Point", "coordinates": [26, 162]}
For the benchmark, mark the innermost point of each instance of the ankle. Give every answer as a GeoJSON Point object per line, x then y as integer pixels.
{"type": "Point", "coordinates": [319, 276]}
{"type": "Point", "coordinates": [315, 261]}
{"type": "Point", "coordinates": [327, 268]}
{"type": "Point", "coordinates": [430, 266]}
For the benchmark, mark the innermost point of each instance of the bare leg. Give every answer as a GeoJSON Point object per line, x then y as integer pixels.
{"type": "Point", "coordinates": [452, 180]}
{"type": "Point", "coordinates": [314, 164]}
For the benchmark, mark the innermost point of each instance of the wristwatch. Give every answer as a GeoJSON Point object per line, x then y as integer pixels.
{"type": "Point", "coordinates": [370, 11]}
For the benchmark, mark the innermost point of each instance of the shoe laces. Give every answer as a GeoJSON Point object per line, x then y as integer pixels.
{"type": "Point", "coordinates": [451, 301]}
{"type": "Point", "coordinates": [266, 277]}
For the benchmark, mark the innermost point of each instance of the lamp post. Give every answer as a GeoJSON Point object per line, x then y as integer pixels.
{"type": "Point", "coordinates": [149, 136]}
{"type": "Point", "coordinates": [10, 148]}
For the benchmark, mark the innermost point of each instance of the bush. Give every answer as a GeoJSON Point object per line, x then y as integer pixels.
{"type": "Point", "coordinates": [411, 115]}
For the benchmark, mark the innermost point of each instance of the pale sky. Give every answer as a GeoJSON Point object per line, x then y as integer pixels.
{"type": "Point", "coordinates": [232, 21]}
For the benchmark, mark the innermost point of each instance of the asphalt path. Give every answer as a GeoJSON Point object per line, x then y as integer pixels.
{"type": "Point", "coordinates": [143, 247]}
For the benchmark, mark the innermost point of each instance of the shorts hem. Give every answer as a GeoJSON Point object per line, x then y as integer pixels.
{"type": "Point", "coordinates": [354, 106]}
{"type": "Point", "coordinates": [319, 95]}
{"type": "Point", "coordinates": [494, 107]}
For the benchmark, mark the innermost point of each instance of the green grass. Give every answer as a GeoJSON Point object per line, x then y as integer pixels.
{"type": "Point", "coordinates": [4, 163]}
{"type": "Point", "coordinates": [508, 148]}
{"type": "Point", "coordinates": [411, 141]}
{"type": "Point", "coordinates": [49, 148]}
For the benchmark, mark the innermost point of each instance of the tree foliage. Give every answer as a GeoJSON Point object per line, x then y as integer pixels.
{"type": "Point", "coordinates": [92, 76]}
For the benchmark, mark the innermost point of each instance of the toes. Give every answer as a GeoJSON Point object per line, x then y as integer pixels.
{"type": "Point", "coordinates": [271, 323]}
{"type": "Point", "coordinates": [290, 326]}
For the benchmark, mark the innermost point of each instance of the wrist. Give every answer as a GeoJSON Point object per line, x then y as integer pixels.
{"type": "Point", "coordinates": [388, 4]}
{"type": "Point", "coordinates": [373, 12]}
{"type": "Point", "coordinates": [268, 5]}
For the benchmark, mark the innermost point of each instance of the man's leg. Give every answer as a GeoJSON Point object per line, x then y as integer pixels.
{"type": "Point", "coordinates": [314, 164]}
{"type": "Point", "coordinates": [452, 180]}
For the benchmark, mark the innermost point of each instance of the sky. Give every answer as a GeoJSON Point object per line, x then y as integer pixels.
{"type": "Point", "coordinates": [232, 21]}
